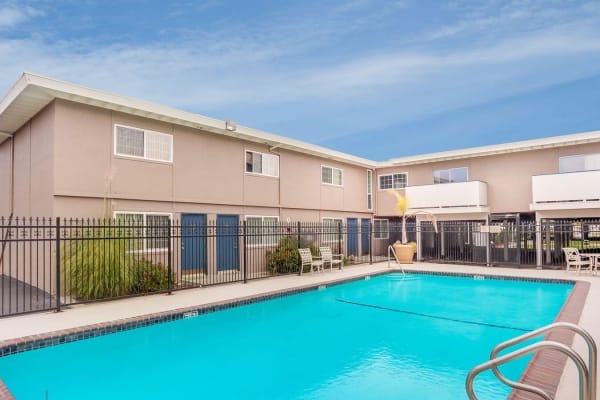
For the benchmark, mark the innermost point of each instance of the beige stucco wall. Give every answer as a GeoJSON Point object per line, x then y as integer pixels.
{"type": "Point", "coordinates": [5, 178]}
{"type": "Point", "coordinates": [33, 166]}
{"type": "Point", "coordinates": [207, 174]}
{"type": "Point", "coordinates": [301, 186]}
{"type": "Point", "coordinates": [67, 150]}
{"type": "Point", "coordinates": [508, 176]}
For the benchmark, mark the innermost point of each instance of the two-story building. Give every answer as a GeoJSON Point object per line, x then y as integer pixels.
{"type": "Point", "coordinates": [67, 150]}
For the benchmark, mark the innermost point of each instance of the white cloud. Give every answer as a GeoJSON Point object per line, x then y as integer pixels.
{"type": "Point", "coordinates": [12, 15]}
{"type": "Point", "coordinates": [236, 69]}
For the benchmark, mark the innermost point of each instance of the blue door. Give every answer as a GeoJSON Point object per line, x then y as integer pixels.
{"type": "Point", "coordinates": [228, 256]}
{"type": "Point", "coordinates": [365, 228]}
{"type": "Point", "coordinates": [193, 242]}
{"type": "Point", "coordinates": [352, 236]}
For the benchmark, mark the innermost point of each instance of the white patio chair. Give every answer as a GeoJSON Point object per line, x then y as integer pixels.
{"type": "Point", "coordinates": [331, 259]}
{"type": "Point", "coordinates": [306, 258]}
{"type": "Point", "coordinates": [577, 261]}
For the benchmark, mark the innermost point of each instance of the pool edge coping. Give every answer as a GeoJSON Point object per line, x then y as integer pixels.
{"type": "Point", "coordinates": [32, 342]}
{"type": "Point", "coordinates": [547, 367]}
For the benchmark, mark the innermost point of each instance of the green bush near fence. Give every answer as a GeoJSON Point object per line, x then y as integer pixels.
{"type": "Point", "coordinates": [106, 262]}
{"type": "Point", "coordinates": [285, 259]}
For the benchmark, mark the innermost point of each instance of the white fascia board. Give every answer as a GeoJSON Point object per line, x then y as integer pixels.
{"type": "Point", "coordinates": [13, 92]}
{"type": "Point", "coordinates": [525, 145]}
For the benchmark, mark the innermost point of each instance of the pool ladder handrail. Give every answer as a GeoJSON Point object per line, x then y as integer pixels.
{"type": "Point", "coordinates": [587, 374]}
{"type": "Point", "coordinates": [390, 251]}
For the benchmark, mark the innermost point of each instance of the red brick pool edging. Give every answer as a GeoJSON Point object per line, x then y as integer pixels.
{"type": "Point", "coordinates": [4, 392]}
{"type": "Point", "coordinates": [537, 367]}
{"type": "Point", "coordinates": [547, 366]}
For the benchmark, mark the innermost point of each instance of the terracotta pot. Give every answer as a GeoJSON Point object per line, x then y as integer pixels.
{"type": "Point", "coordinates": [404, 252]}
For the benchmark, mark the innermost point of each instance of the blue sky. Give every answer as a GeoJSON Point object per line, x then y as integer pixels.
{"type": "Point", "coordinates": [378, 79]}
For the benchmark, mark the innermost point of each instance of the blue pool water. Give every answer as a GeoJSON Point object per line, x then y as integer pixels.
{"type": "Point", "coordinates": [382, 338]}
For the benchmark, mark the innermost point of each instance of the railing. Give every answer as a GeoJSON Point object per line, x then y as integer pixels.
{"type": "Point", "coordinates": [549, 193]}
{"type": "Point", "coordinates": [591, 345]}
{"type": "Point", "coordinates": [587, 374]}
{"type": "Point", "coordinates": [390, 252]}
{"type": "Point", "coordinates": [449, 196]}
{"type": "Point", "coordinates": [49, 262]}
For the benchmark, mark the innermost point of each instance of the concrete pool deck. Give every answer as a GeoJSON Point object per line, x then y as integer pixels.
{"type": "Point", "coordinates": [15, 329]}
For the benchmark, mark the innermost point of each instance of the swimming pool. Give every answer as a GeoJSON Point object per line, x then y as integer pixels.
{"type": "Point", "coordinates": [381, 338]}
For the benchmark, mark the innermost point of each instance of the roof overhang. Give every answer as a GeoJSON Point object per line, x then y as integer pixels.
{"type": "Point", "coordinates": [505, 148]}
{"type": "Point", "coordinates": [31, 93]}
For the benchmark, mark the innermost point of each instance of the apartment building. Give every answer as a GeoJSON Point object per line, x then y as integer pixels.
{"type": "Point", "coordinates": [67, 150]}
{"type": "Point", "coordinates": [71, 151]}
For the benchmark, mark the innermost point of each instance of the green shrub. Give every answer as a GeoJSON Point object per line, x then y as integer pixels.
{"type": "Point", "coordinates": [105, 262]}
{"type": "Point", "coordinates": [285, 259]}
{"type": "Point", "coordinates": [149, 277]}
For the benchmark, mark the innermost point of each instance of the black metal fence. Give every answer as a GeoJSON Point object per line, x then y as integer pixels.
{"type": "Point", "coordinates": [49, 263]}
{"type": "Point", "coordinates": [525, 244]}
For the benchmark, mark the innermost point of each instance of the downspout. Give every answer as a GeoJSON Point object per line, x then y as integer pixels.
{"type": "Point", "coordinates": [11, 201]}
{"type": "Point", "coordinates": [271, 148]}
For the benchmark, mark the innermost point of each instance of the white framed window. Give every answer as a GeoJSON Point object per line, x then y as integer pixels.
{"type": "Point", "coordinates": [332, 176]}
{"type": "Point", "coordinates": [143, 144]}
{"type": "Point", "coordinates": [369, 189]}
{"type": "Point", "coordinates": [393, 181]}
{"type": "Point", "coordinates": [580, 162]}
{"type": "Point", "coordinates": [262, 163]}
{"type": "Point", "coordinates": [331, 229]}
{"type": "Point", "coordinates": [154, 228]}
{"type": "Point", "coordinates": [261, 230]}
{"type": "Point", "coordinates": [381, 228]}
{"type": "Point", "coordinates": [451, 175]}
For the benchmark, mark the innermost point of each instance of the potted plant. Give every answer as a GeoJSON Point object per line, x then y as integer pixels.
{"type": "Point", "coordinates": [404, 250]}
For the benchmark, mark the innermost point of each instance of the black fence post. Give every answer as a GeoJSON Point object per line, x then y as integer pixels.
{"type": "Point", "coordinates": [169, 256]}
{"type": "Point", "coordinates": [298, 233]}
{"type": "Point", "coordinates": [371, 243]}
{"type": "Point", "coordinates": [245, 259]}
{"type": "Point", "coordinates": [488, 247]}
{"type": "Point", "coordinates": [57, 241]}
{"type": "Point", "coordinates": [548, 240]}
{"type": "Point", "coordinates": [340, 238]}
{"type": "Point", "coordinates": [518, 234]}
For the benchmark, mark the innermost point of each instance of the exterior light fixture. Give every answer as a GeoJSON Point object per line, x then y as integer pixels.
{"type": "Point", "coordinates": [230, 125]}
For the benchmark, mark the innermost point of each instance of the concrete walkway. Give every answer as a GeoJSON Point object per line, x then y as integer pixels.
{"type": "Point", "coordinates": [82, 315]}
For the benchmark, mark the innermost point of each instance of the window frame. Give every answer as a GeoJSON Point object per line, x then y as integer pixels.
{"type": "Point", "coordinates": [332, 169]}
{"type": "Point", "coordinates": [262, 154]}
{"type": "Point", "coordinates": [449, 170]}
{"type": "Point", "coordinates": [262, 217]}
{"type": "Point", "coordinates": [370, 189]}
{"type": "Point", "coordinates": [335, 234]}
{"type": "Point", "coordinates": [392, 175]}
{"type": "Point", "coordinates": [145, 157]}
{"type": "Point", "coordinates": [375, 231]}
{"type": "Point", "coordinates": [578, 156]}
{"type": "Point", "coordinates": [145, 214]}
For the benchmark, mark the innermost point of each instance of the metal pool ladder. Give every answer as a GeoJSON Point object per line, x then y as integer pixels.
{"type": "Point", "coordinates": [587, 374]}
{"type": "Point", "coordinates": [390, 252]}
